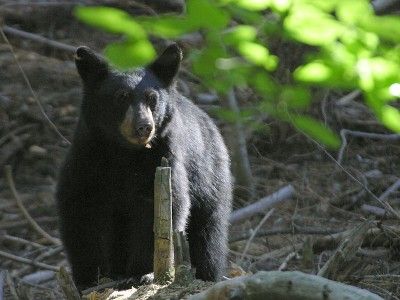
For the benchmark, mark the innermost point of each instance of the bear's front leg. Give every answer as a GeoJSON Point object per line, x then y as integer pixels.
{"type": "Point", "coordinates": [87, 241]}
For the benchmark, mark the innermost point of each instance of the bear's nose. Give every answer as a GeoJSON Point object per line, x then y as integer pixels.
{"type": "Point", "coordinates": [143, 130]}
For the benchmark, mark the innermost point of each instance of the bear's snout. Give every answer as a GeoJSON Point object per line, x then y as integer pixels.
{"type": "Point", "coordinates": [144, 129]}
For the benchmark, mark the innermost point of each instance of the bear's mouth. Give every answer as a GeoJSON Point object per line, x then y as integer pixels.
{"type": "Point", "coordinates": [126, 131]}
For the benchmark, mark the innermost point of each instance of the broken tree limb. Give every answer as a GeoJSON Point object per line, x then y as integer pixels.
{"type": "Point", "coordinates": [277, 285]}
{"type": "Point", "coordinates": [163, 240]}
{"type": "Point", "coordinates": [262, 204]}
{"type": "Point", "coordinates": [345, 252]}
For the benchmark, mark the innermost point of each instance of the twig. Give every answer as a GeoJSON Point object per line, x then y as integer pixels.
{"type": "Point", "coordinates": [106, 285]}
{"type": "Point", "coordinates": [288, 258]}
{"type": "Point", "coordinates": [27, 261]}
{"type": "Point", "coordinates": [19, 240]}
{"type": "Point", "coordinates": [16, 131]}
{"type": "Point", "coordinates": [288, 230]}
{"type": "Point", "coordinates": [39, 39]}
{"type": "Point", "coordinates": [15, 224]}
{"type": "Point", "coordinates": [21, 206]}
{"type": "Point", "coordinates": [377, 211]}
{"type": "Point", "coordinates": [349, 97]}
{"type": "Point", "coordinates": [11, 286]}
{"type": "Point", "coordinates": [262, 204]}
{"type": "Point", "coordinates": [394, 187]}
{"type": "Point", "coordinates": [28, 83]}
{"type": "Point", "coordinates": [370, 135]}
{"type": "Point", "coordinates": [383, 203]}
{"type": "Point", "coordinates": [346, 251]}
{"type": "Point", "coordinates": [263, 220]}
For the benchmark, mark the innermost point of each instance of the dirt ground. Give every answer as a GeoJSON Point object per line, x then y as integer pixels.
{"type": "Point", "coordinates": [329, 196]}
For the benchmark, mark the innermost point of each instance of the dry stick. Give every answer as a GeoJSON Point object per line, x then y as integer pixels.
{"type": "Point", "coordinates": [15, 224]}
{"type": "Point", "coordinates": [14, 239]}
{"type": "Point", "coordinates": [377, 210]}
{"type": "Point", "coordinates": [38, 38]}
{"type": "Point", "coordinates": [28, 83]}
{"type": "Point", "coordinates": [28, 261]}
{"type": "Point", "coordinates": [379, 136]}
{"type": "Point", "coordinates": [288, 258]}
{"type": "Point", "coordinates": [67, 285]}
{"type": "Point", "coordinates": [383, 203]}
{"type": "Point", "coordinates": [257, 207]}
{"type": "Point", "coordinates": [345, 252]}
{"type": "Point", "coordinates": [263, 220]}
{"type": "Point", "coordinates": [288, 230]}
{"type": "Point", "coordinates": [163, 240]}
{"type": "Point", "coordinates": [21, 206]}
{"type": "Point", "coordinates": [11, 286]}
{"type": "Point", "coordinates": [16, 131]}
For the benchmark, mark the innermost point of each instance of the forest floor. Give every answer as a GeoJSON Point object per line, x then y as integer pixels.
{"type": "Point", "coordinates": [329, 199]}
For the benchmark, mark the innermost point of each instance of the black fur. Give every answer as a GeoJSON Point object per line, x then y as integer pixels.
{"type": "Point", "coordinates": [105, 190]}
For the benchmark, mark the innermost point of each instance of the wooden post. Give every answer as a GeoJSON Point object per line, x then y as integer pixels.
{"type": "Point", "coordinates": [184, 274]}
{"type": "Point", "coordinates": [163, 241]}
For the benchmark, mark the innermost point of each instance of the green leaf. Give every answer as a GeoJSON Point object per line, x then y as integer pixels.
{"type": "Point", "coordinates": [317, 130]}
{"type": "Point", "coordinates": [391, 118]}
{"type": "Point", "coordinates": [312, 26]}
{"type": "Point", "coordinates": [352, 12]}
{"type": "Point", "coordinates": [166, 26]}
{"type": "Point", "coordinates": [257, 54]}
{"type": "Point", "coordinates": [206, 14]}
{"type": "Point", "coordinates": [110, 19]}
{"type": "Point", "coordinates": [316, 72]}
{"type": "Point", "coordinates": [238, 34]}
{"type": "Point", "coordinates": [387, 27]}
{"type": "Point", "coordinates": [130, 54]}
{"type": "Point", "coordinates": [296, 97]}
{"type": "Point", "coordinates": [253, 5]}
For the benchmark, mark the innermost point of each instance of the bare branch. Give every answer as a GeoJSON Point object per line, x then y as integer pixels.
{"type": "Point", "coordinates": [21, 206]}
{"type": "Point", "coordinates": [28, 261]}
{"type": "Point", "coordinates": [262, 204]}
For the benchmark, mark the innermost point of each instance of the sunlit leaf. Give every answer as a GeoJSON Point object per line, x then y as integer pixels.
{"type": "Point", "coordinates": [110, 19]}
{"type": "Point", "coordinates": [130, 53]}
{"type": "Point", "coordinates": [204, 14]}
{"type": "Point", "coordinates": [391, 118]}
{"type": "Point", "coordinates": [166, 26]}
{"type": "Point", "coordinates": [310, 25]}
{"type": "Point", "coordinates": [254, 4]}
{"type": "Point", "coordinates": [317, 130]}
{"type": "Point", "coordinates": [394, 89]}
{"type": "Point", "coordinates": [313, 72]}
{"type": "Point", "coordinates": [257, 54]}
{"type": "Point", "coordinates": [387, 27]}
{"type": "Point", "coordinates": [352, 12]}
{"type": "Point", "coordinates": [239, 34]}
{"type": "Point", "coordinates": [325, 5]}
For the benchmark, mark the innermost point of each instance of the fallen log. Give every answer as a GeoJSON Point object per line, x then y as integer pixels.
{"type": "Point", "coordinates": [277, 285]}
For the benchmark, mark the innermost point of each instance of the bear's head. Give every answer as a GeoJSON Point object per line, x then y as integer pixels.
{"type": "Point", "coordinates": [126, 107]}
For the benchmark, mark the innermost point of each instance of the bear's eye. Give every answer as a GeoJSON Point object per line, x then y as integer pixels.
{"type": "Point", "coordinates": [151, 98]}
{"type": "Point", "coordinates": [122, 95]}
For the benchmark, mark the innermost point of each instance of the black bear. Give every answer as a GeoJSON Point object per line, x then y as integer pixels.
{"type": "Point", "coordinates": [128, 122]}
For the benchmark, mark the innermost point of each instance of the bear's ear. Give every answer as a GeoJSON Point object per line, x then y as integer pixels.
{"type": "Point", "coordinates": [91, 66]}
{"type": "Point", "coordinates": [167, 64]}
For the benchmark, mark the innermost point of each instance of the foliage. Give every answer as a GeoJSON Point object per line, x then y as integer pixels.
{"type": "Point", "coordinates": [352, 49]}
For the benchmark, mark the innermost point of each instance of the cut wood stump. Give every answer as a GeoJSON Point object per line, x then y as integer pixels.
{"type": "Point", "coordinates": [163, 240]}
